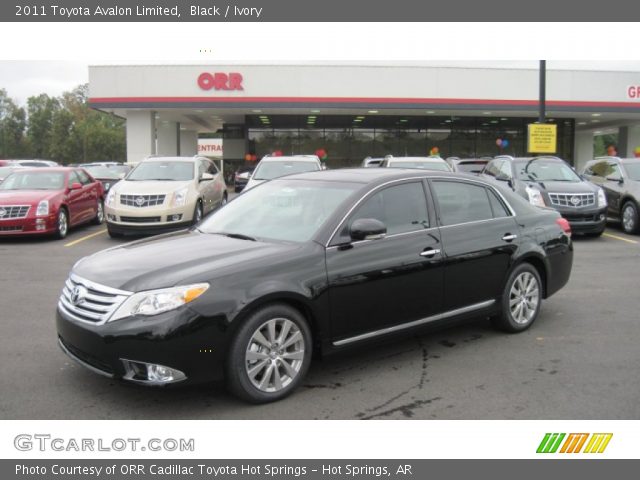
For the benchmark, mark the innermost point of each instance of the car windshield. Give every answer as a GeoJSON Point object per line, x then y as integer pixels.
{"type": "Point", "coordinates": [471, 167]}
{"type": "Point", "coordinates": [633, 170]}
{"type": "Point", "coordinates": [98, 171]}
{"type": "Point", "coordinates": [171, 171]}
{"type": "Point", "coordinates": [4, 171]}
{"type": "Point", "coordinates": [440, 166]}
{"type": "Point", "coordinates": [546, 171]}
{"type": "Point", "coordinates": [34, 181]}
{"type": "Point", "coordinates": [276, 168]}
{"type": "Point", "coordinates": [287, 210]}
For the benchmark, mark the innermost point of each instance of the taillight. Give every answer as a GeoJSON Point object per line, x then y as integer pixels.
{"type": "Point", "coordinates": [563, 223]}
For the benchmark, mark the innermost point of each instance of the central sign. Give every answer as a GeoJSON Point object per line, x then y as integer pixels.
{"type": "Point", "coordinates": [542, 138]}
{"type": "Point", "coordinates": [220, 81]}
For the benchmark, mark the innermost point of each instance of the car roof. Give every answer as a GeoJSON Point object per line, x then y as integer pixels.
{"type": "Point", "coordinates": [417, 159]}
{"type": "Point", "coordinates": [372, 175]}
{"type": "Point", "coordinates": [48, 169]}
{"type": "Point", "coordinates": [171, 159]}
{"type": "Point", "coordinates": [292, 158]}
{"type": "Point", "coordinates": [528, 159]}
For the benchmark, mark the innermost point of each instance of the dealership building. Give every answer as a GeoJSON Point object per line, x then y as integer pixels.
{"type": "Point", "coordinates": [357, 110]}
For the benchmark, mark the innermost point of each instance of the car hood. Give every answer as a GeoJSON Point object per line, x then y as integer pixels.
{"type": "Point", "coordinates": [565, 187]}
{"type": "Point", "coordinates": [167, 260]}
{"type": "Point", "coordinates": [26, 197]}
{"type": "Point", "coordinates": [150, 187]}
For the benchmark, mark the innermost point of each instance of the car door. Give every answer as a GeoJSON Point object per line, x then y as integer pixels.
{"type": "Point", "coordinates": [218, 185]}
{"type": "Point", "coordinates": [89, 196]}
{"type": "Point", "coordinates": [204, 186]}
{"type": "Point", "coordinates": [480, 237]}
{"type": "Point", "coordinates": [377, 284]}
{"type": "Point", "coordinates": [607, 175]}
{"type": "Point", "coordinates": [75, 199]}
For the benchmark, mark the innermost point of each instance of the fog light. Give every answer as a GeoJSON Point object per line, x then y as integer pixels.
{"type": "Point", "coordinates": [602, 216]}
{"type": "Point", "coordinates": [175, 218]}
{"type": "Point", "coordinates": [111, 217]}
{"type": "Point", "coordinates": [151, 373]}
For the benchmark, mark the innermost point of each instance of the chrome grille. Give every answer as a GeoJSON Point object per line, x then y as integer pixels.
{"type": "Point", "coordinates": [10, 212]}
{"type": "Point", "coordinates": [567, 199]}
{"type": "Point", "coordinates": [141, 201]}
{"type": "Point", "coordinates": [95, 304]}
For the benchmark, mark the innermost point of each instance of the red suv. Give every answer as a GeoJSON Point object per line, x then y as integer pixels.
{"type": "Point", "coordinates": [49, 201]}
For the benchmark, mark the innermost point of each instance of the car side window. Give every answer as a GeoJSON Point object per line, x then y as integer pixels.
{"type": "Point", "coordinates": [461, 202]}
{"type": "Point", "coordinates": [493, 168]}
{"type": "Point", "coordinates": [211, 168]}
{"type": "Point", "coordinates": [505, 169]}
{"type": "Point", "coordinates": [499, 210]}
{"type": "Point", "coordinates": [73, 178]}
{"type": "Point", "coordinates": [402, 208]}
{"type": "Point", "coordinates": [202, 167]}
{"type": "Point", "coordinates": [84, 178]}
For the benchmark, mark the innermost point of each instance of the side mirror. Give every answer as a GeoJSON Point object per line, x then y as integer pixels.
{"type": "Point", "coordinates": [75, 186]}
{"type": "Point", "coordinates": [206, 177]}
{"type": "Point", "coordinates": [367, 229]}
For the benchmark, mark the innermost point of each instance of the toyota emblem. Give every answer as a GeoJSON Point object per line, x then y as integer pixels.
{"type": "Point", "coordinates": [140, 201]}
{"type": "Point", "coordinates": [78, 295]}
{"type": "Point", "coordinates": [575, 201]}
{"type": "Point", "coordinates": [3, 212]}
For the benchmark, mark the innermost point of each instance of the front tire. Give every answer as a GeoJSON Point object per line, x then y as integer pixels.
{"type": "Point", "coordinates": [629, 217]}
{"type": "Point", "coordinates": [269, 355]}
{"type": "Point", "coordinates": [521, 300]}
{"type": "Point", "coordinates": [62, 224]}
{"type": "Point", "coordinates": [197, 213]}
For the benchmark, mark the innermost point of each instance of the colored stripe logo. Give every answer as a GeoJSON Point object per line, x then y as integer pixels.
{"type": "Point", "coordinates": [574, 443]}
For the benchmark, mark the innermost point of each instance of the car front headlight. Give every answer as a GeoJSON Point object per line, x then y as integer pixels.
{"type": "Point", "coordinates": [535, 197]}
{"type": "Point", "coordinates": [602, 198]}
{"type": "Point", "coordinates": [43, 208]}
{"type": "Point", "coordinates": [111, 198]}
{"type": "Point", "coordinates": [180, 197]}
{"type": "Point", "coordinates": [153, 302]}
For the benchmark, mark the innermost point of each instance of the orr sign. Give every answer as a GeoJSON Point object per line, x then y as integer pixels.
{"type": "Point", "coordinates": [220, 81]}
{"type": "Point", "coordinates": [633, 92]}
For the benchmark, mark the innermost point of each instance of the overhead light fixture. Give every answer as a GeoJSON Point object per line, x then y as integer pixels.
{"type": "Point", "coordinates": [403, 120]}
{"type": "Point", "coordinates": [504, 118]}
{"type": "Point", "coordinates": [315, 111]}
{"type": "Point", "coordinates": [494, 121]}
{"type": "Point", "coordinates": [486, 113]}
{"type": "Point", "coordinates": [430, 111]}
{"type": "Point", "coordinates": [373, 111]}
{"type": "Point", "coordinates": [595, 121]}
{"type": "Point", "coordinates": [597, 132]}
{"type": "Point", "coordinates": [256, 111]}
{"type": "Point", "coordinates": [582, 123]}
{"type": "Point", "coordinates": [447, 121]}
{"type": "Point", "coordinates": [596, 114]}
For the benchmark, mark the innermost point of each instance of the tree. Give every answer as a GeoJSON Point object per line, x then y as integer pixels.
{"type": "Point", "coordinates": [12, 127]}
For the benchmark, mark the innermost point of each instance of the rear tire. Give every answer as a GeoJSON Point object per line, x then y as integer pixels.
{"type": "Point", "coordinates": [269, 355]}
{"type": "Point", "coordinates": [99, 218]}
{"type": "Point", "coordinates": [629, 217]}
{"type": "Point", "coordinates": [521, 300]}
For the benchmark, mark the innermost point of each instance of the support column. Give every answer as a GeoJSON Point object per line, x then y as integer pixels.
{"type": "Point", "coordinates": [628, 140]}
{"type": "Point", "coordinates": [188, 143]}
{"type": "Point", "coordinates": [582, 148]}
{"type": "Point", "coordinates": [168, 138]}
{"type": "Point", "coordinates": [141, 139]}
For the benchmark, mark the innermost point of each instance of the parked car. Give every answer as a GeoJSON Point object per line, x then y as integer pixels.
{"type": "Point", "coordinates": [163, 194]}
{"type": "Point", "coordinates": [241, 178]}
{"type": "Point", "coordinates": [274, 167]}
{"type": "Point", "coordinates": [424, 163]}
{"type": "Point", "coordinates": [49, 200]}
{"type": "Point", "coordinates": [620, 180]}
{"type": "Point", "coordinates": [107, 174]}
{"type": "Point", "coordinates": [552, 182]}
{"type": "Point", "coordinates": [34, 163]}
{"type": "Point", "coordinates": [317, 261]}
{"type": "Point", "coordinates": [370, 162]}
{"type": "Point", "coordinates": [467, 165]}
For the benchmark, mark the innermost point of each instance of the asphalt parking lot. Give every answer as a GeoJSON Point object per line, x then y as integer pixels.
{"type": "Point", "coordinates": [579, 361]}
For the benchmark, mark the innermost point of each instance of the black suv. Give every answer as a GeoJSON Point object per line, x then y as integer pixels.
{"type": "Point", "coordinates": [552, 182]}
{"type": "Point", "coordinates": [620, 180]}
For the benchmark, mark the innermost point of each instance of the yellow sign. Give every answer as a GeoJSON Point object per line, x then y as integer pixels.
{"type": "Point", "coordinates": [543, 138]}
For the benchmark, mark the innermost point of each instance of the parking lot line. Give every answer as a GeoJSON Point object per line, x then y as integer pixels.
{"type": "Point", "coordinates": [619, 238]}
{"type": "Point", "coordinates": [87, 237]}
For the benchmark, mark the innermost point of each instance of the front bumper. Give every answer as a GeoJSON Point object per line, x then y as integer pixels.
{"type": "Point", "coordinates": [148, 229]}
{"type": "Point", "coordinates": [181, 340]}
{"type": "Point", "coordinates": [585, 220]}
{"type": "Point", "coordinates": [124, 219]}
{"type": "Point", "coordinates": [29, 226]}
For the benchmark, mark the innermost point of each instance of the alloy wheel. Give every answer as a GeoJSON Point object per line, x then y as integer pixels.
{"type": "Point", "coordinates": [524, 297]}
{"type": "Point", "coordinates": [629, 218]}
{"type": "Point", "coordinates": [63, 225]}
{"type": "Point", "coordinates": [274, 355]}
{"type": "Point", "coordinates": [100, 213]}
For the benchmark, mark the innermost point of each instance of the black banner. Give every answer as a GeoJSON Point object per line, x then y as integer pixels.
{"type": "Point", "coordinates": [320, 11]}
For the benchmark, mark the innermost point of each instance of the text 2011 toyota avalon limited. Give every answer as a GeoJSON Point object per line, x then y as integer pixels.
{"type": "Point", "coordinates": [313, 262]}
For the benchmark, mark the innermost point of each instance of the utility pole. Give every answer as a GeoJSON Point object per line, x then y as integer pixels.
{"type": "Point", "coordinates": [543, 93]}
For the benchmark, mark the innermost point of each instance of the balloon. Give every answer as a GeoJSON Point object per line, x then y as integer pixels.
{"type": "Point", "coordinates": [321, 153]}
{"type": "Point", "coordinates": [499, 142]}
{"type": "Point", "coordinates": [277, 153]}
{"type": "Point", "coordinates": [505, 143]}
{"type": "Point", "coordinates": [247, 157]}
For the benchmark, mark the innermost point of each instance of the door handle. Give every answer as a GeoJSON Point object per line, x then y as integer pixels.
{"type": "Point", "coordinates": [508, 237]}
{"type": "Point", "coordinates": [429, 253]}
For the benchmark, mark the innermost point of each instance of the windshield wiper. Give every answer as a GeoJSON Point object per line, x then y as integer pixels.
{"type": "Point", "coordinates": [239, 236]}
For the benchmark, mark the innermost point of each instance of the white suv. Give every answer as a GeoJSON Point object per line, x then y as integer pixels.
{"type": "Point", "coordinates": [164, 193]}
{"type": "Point", "coordinates": [274, 167]}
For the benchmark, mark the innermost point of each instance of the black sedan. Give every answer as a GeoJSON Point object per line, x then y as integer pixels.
{"type": "Point", "coordinates": [620, 180]}
{"type": "Point", "coordinates": [551, 182]}
{"type": "Point", "coordinates": [241, 178]}
{"type": "Point", "coordinates": [312, 262]}
{"type": "Point", "coordinates": [108, 175]}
